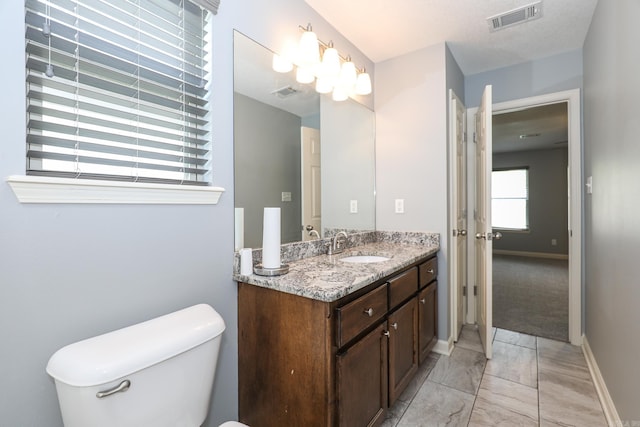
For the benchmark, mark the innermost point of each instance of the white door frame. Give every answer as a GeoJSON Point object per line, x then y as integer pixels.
{"type": "Point", "coordinates": [572, 98]}
{"type": "Point", "coordinates": [454, 187]}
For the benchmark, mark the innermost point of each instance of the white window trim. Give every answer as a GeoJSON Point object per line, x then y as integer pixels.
{"type": "Point", "coordinates": [37, 189]}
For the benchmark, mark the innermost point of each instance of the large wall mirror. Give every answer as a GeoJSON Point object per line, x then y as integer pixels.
{"type": "Point", "coordinates": [297, 150]}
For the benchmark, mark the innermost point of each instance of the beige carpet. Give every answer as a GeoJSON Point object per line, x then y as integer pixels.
{"type": "Point", "coordinates": [531, 295]}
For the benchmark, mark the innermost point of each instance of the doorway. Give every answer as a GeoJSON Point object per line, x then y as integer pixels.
{"type": "Point", "coordinates": [574, 174]}
{"type": "Point", "coordinates": [530, 211]}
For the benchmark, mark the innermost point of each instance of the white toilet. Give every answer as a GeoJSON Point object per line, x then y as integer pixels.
{"type": "Point", "coordinates": [156, 373]}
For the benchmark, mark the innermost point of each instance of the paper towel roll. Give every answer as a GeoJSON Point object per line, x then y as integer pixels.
{"type": "Point", "coordinates": [271, 238]}
{"type": "Point", "coordinates": [246, 261]}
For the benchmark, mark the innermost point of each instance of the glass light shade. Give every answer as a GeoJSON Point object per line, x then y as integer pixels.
{"type": "Point", "coordinates": [308, 50]}
{"type": "Point", "coordinates": [323, 85]}
{"type": "Point", "coordinates": [363, 84]}
{"type": "Point", "coordinates": [280, 64]}
{"type": "Point", "coordinates": [330, 66]}
{"type": "Point", "coordinates": [339, 94]}
{"type": "Point", "coordinates": [305, 75]}
{"type": "Point", "coordinates": [347, 77]}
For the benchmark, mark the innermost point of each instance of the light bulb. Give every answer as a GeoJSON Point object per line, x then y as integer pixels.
{"type": "Point", "coordinates": [323, 85]}
{"type": "Point", "coordinates": [363, 84]}
{"type": "Point", "coordinates": [308, 49]}
{"type": "Point", "coordinates": [339, 94]}
{"type": "Point", "coordinates": [280, 64]}
{"type": "Point", "coordinates": [330, 66]}
{"type": "Point", "coordinates": [348, 76]}
{"type": "Point", "coordinates": [305, 75]}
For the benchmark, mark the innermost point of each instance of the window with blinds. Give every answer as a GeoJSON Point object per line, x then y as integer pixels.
{"type": "Point", "coordinates": [118, 90]}
{"type": "Point", "coordinates": [510, 199]}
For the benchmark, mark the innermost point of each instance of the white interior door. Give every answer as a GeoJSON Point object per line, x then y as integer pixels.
{"type": "Point", "coordinates": [484, 236]}
{"type": "Point", "coordinates": [311, 184]}
{"type": "Point", "coordinates": [458, 212]}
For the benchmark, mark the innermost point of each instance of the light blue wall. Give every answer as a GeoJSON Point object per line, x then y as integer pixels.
{"type": "Point", "coordinates": [612, 212]}
{"type": "Point", "coordinates": [68, 272]}
{"type": "Point", "coordinates": [546, 75]}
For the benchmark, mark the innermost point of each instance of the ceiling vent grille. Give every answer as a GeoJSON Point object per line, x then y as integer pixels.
{"type": "Point", "coordinates": [284, 92]}
{"type": "Point", "coordinates": [515, 16]}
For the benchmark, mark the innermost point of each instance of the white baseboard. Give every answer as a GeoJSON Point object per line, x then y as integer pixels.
{"type": "Point", "coordinates": [530, 254]}
{"type": "Point", "coordinates": [610, 412]}
{"type": "Point", "coordinates": [444, 347]}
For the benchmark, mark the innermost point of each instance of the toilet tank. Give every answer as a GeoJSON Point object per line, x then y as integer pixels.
{"type": "Point", "coordinates": [156, 373]}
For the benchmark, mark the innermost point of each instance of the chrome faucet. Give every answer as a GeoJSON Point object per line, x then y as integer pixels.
{"type": "Point", "coordinates": [314, 233]}
{"type": "Point", "coordinates": [336, 243]}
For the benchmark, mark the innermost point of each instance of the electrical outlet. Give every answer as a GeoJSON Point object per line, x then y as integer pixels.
{"type": "Point", "coordinates": [399, 206]}
{"type": "Point", "coordinates": [353, 206]}
{"type": "Point", "coordinates": [554, 242]}
{"type": "Point", "coordinates": [286, 196]}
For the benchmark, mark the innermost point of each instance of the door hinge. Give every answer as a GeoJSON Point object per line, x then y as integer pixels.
{"type": "Point", "coordinates": [475, 139]}
{"type": "Point", "coordinates": [475, 291]}
{"type": "Point", "coordinates": [464, 291]}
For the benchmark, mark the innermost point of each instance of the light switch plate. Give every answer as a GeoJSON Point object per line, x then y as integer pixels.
{"type": "Point", "coordinates": [399, 206]}
{"type": "Point", "coordinates": [353, 206]}
{"type": "Point", "coordinates": [286, 196]}
{"type": "Point", "coordinates": [589, 185]}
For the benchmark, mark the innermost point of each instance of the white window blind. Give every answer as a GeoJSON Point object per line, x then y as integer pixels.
{"type": "Point", "coordinates": [510, 199]}
{"type": "Point", "coordinates": [127, 98]}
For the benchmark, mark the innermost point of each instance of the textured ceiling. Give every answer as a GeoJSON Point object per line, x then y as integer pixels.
{"type": "Point", "coordinates": [384, 29]}
{"type": "Point", "coordinates": [546, 127]}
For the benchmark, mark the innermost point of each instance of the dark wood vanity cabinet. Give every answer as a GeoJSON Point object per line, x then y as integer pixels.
{"type": "Point", "coordinates": [304, 362]}
{"type": "Point", "coordinates": [427, 307]}
{"type": "Point", "coordinates": [361, 380]}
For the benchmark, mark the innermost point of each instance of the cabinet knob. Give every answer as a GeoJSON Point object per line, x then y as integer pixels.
{"type": "Point", "coordinates": [422, 300]}
{"type": "Point", "coordinates": [386, 333]}
{"type": "Point", "coordinates": [369, 311]}
{"type": "Point", "coordinates": [430, 271]}
{"type": "Point", "coordinates": [395, 325]}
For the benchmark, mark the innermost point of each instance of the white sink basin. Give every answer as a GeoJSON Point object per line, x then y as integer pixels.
{"type": "Point", "coordinates": [365, 259]}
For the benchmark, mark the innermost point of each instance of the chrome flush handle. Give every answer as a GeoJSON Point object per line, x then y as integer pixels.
{"type": "Point", "coordinates": [122, 387]}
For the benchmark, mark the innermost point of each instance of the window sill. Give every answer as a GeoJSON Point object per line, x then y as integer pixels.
{"type": "Point", "coordinates": [35, 189]}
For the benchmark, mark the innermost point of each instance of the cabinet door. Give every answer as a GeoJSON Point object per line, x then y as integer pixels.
{"type": "Point", "coordinates": [428, 319]}
{"type": "Point", "coordinates": [362, 381]}
{"type": "Point", "coordinates": [403, 348]}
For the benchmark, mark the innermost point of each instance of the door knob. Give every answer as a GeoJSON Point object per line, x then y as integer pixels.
{"type": "Point", "coordinates": [309, 227]}
{"type": "Point", "coordinates": [497, 236]}
{"type": "Point", "coordinates": [462, 232]}
{"type": "Point", "coordinates": [480, 236]}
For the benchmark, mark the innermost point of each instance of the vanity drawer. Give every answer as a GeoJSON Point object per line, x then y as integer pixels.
{"type": "Point", "coordinates": [402, 287]}
{"type": "Point", "coordinates": [428, 271]}
{"type": "Point", "coordinates": [356, 316]}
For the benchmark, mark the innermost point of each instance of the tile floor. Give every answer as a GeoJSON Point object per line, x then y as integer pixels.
{"type": "Point", "coordinates": [530, 381]}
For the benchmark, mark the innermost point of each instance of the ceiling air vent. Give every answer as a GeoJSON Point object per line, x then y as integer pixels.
{"type": "Point", "coordinates": [515, 16]}
{"type": "Point", "coordinates": [284, 92]}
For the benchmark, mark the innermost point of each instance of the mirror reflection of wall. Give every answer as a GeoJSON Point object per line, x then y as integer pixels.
{"type": "Point", "coordinates": [272, 113]}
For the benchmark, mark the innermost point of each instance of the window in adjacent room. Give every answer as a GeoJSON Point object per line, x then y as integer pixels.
{"type": "Point", "coordinates": [510, 199]}
{"type": "Point", "coordinates": [118, 90]}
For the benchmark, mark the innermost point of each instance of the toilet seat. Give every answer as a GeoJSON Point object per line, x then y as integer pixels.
{"type": "Point", "coordinates": [233, 424]}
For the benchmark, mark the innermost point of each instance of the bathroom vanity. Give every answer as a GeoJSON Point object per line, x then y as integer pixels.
{"type": "Point", "coordinates": [334, 343]}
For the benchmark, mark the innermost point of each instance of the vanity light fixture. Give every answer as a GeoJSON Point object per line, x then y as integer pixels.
{"type": "Point", "coordinates": [330, 71]}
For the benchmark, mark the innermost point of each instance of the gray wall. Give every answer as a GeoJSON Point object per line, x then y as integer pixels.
{"type": "Point", "coordinates": [267, 159]}
{"type": "Point", "coordinates": [348, 164]}
{"type": "Point", "coordinates": [545, 75]}
{"type": "Point", "coordinates": [612, 212]}
{"type": "Point", "coordinates": [548, 204]}
{"type": "Point", "coordinates": [411, 152]}
{"type": "Point", "coordinates": [68, 272]}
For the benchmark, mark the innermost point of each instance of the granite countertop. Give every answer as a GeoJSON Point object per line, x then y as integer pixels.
{"type": "Point", "coordinates": [326, 278]}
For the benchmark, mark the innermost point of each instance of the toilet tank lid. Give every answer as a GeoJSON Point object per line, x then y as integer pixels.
{"type": "Point", "coordinates": [107, 357]}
